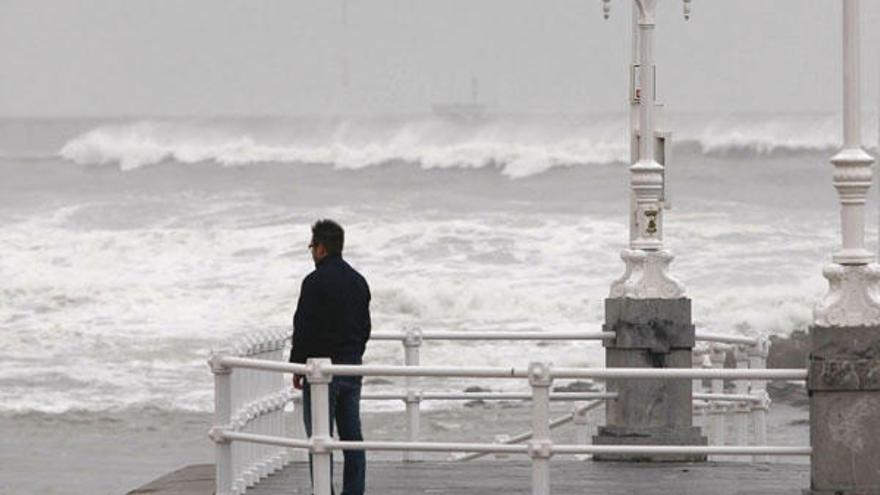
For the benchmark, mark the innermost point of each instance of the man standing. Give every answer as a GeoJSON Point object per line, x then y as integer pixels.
{"type": "Point", "coordinates": [332, 320]}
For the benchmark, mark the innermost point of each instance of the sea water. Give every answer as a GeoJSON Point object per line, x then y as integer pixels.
{"type": "Point", "coordinates": [130, 246]}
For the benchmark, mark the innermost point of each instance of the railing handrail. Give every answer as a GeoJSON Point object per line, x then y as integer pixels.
{"type": "Point", "coordinates": [495, 335]}
{"type": "Point", "coordinates": [552, 425]}
{"type": "Point", "coordinates": [757, 398]}
{"type": "Point", "coordinates": [255, 410]}
{"type": "Point", "coordinates": [540, 335]}
{"type": "Point", "coordinates": [513, 372]}
{"type": "Point", "coordinates": [558, 396]}
{"type": "Point", "coordinates": [727, 339]}
{"type": "Point", "coordinates": [500, 448]}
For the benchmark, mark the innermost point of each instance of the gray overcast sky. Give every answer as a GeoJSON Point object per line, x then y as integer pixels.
{"type": "Point", "coordinates": [284, 57]}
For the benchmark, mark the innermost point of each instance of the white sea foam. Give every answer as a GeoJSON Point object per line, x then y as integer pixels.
{"type": "Point", "coordinates": [430, 145]}
{"type": "Point", "coordinates": [111, 298]}
{"type": "Point", "coordinates": [109, 319]}
{"type": "Point", "coordinates": [517, 147]}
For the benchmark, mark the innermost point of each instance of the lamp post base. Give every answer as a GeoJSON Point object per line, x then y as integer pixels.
{"type": "Point", "coordinates": [853, 296]}
{"type": "Point", "coordinates": [649, 333]}
{"type": "Point", "coordinates": [612, 435]}
{"type": "Point", "coordinates": [647, 276]}
{"type": "Point", "coordinates": [844, 385]}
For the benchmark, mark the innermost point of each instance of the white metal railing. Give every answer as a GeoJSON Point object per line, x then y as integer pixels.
{"type": "Point", "coordinates": [415, 333]}
{"type": "Point", "coordinates": [253, 403]}
{"type": "Point", "coordinates": [711, 406]}
{"type": "Point", "coordinates": [578, 416]}
{"type": "Point", "coordinates": [259, 397]}
{"type": "Point", "coordinates": [540, 378]}
{"type": "Point", "coordinates": [412, 339]}
{"type": "Point", "coordinates": [715, 409]}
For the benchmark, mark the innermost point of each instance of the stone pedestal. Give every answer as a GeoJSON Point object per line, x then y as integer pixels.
{"type": "Point", "coordinates": [650, 333]}
{"type": "Point", "coordinates": [844, 386]}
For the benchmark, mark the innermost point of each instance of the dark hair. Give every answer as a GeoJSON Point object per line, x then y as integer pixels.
{"type": "Point", "coordinates": [330, 234]}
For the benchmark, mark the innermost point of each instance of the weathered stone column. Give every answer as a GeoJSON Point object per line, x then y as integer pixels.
{"type": "Point", "coordinates": [651, 333]}
{"type": "Point", "coordinates": [844, 385]}
{"type": "Point", "coordinates": [647, 308]}
{"type": "Point", "coordinates": [844, 367]}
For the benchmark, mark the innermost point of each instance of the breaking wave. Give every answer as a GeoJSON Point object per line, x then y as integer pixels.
{"type": "Point", "coordinates": [516, 147]}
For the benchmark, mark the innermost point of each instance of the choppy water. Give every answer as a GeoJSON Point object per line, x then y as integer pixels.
{"type": "Point", "coordinates": [129, 247]}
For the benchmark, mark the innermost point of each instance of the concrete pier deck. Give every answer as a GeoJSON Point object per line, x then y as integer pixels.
{"type": "Point", "coordinates": [514, 477]}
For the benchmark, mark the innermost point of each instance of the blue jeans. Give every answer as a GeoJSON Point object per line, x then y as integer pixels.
{"type": "Point", "coordinates": [345, 408]}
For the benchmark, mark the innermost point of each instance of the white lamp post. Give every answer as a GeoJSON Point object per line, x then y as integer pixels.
{"type": "Point", "coordinates": [853, 298]}
{"type": "Point", "coordinates": [647, 308]}
{"type": "Point", "coordinates": [647, 262]}
{"type": "Point", "coordinates": [845, 337]}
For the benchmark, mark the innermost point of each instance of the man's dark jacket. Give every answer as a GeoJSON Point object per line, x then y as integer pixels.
{"type": "Point", "coordinates": [332, 316]}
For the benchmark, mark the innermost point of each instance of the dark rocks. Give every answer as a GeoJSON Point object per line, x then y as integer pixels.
{"type": "Point", "coordinates": [794, 394]}
{"type": "Point", "coordinates": [792, 351]}
{"type": "Point", "coordinates": [476, 389]}
{"type": "Point", "coordinates": [789, 352]}
{"type": "Point", "coordinates": [577, 386]}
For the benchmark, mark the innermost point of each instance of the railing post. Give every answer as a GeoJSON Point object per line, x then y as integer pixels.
{"type": "Point", "coordinates": [580, 416]}
{"type": "Point", "coordinates": [279, 385]}
{"type": "Point", "coordinates": [249, 473]}
{"type": "Point", "coordinates": [222, 421]}
{"type": "Point", "coordinates": [706, 364]}
{"type": "Point", "coordinates": [247, 393]}
{"type": "Point", "coordinates": [412, 341]}
{"type": "Point", "coordinates": [238, 484]}
{"type": "Point", "coordinates": [697, 362]}
{"type": "Point", "coordinates": [501, 440]}
{"type": "Point", "coordinates": [758, 361]}
{"type": "Point", "coordinates": [718, 410]}
{"type": "Point", "coordinates": [299, 429]}
{"type": "Point", "coordinates": [741, 409]}
{"type": "Point", "coordinates": [540, 447]}
{"type": "Point", "coordinates": [283, 397]}
{"type": "Point", "coordinates": [263, 464]}
{"type": "Point", "coordinates": [319, 381]}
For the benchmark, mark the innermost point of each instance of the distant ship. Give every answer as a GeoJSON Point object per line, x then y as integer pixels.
{"type": "Point", "coordinates": [472, 110]}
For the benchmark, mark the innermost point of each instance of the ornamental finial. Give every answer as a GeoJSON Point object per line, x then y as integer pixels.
{"type": "Point", "coordinates": [687, 10]}
{"type": "Point", "coordinates": [606, 8]}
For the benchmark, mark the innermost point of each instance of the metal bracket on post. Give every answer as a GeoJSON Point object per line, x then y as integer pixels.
{"type": "Point", "coordinates": [217, 434]}
{"type": "Point", "coordinates": [315, 372]}
{"type": "Point", "coordinates": [412, 337]}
